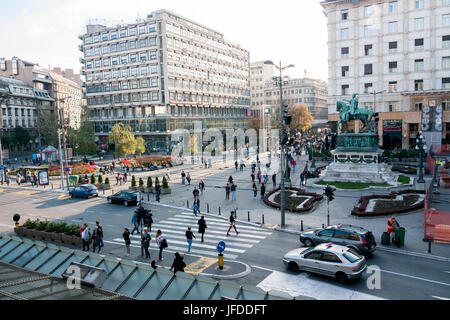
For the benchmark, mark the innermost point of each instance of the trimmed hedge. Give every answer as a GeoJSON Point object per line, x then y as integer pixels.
{"type": "Point", "coordinates": [300, 192]}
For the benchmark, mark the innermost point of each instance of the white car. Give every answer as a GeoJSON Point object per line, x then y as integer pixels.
{"type": "Point", "coordinates": [329, 259]}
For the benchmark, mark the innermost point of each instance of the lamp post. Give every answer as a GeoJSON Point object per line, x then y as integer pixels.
{"type": "Point", "coordinates": [61, 131]}
{"type": "Point", "coordinates": [420, 146]}
{"type": "Point", "coordinates": [279, 81]}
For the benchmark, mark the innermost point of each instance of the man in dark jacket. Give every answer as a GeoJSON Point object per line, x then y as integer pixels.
{"type": "Point", "coordinates": [178, 264]}
{"type": "Point", "coordinates": [202, 227]}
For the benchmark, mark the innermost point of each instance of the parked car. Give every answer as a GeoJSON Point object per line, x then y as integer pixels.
{"type": "Point", "coordinates": [84, 191]}
{"type": "Point", "coordinates": [124, 197]}
{"type": "Point", "coordinates": [328, 259]}
{"type": "Point", "coordinates": [359, 239]}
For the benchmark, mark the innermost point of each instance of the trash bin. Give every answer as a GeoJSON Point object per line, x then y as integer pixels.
{"type": "Point", "coordinates": [400, 236]}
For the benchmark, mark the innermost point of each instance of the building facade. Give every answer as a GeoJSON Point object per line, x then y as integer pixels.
{"type": "Point", "coordinates": [396, 56]}
{"type": "Point", "coordinates": [161, 74]}
{"type": "Point", "coordinates": [260, 73]}
{"type": "Point", "coordinates": [306, 91]}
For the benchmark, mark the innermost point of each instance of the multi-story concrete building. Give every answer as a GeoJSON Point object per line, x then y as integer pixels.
{"type": "Point", "coordinates": [396, 56]}
{"type": "Point", "coordinates": [306, 91]}
{"type": "Point", "coordinates": [68, 97]}
{"type": "Point", "coordinates": [161, 74]}
{"type": "Point", "coordinates": [260, 73]}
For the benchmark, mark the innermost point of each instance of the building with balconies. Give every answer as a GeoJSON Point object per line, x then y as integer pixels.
{"type": "Point", "coordinates": [161, 74]}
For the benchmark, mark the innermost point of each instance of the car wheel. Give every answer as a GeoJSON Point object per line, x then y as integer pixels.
{"type": "Point", "coordinates": [125, 203]}
{"type": "Point", "coordinates": [341, 277]}
{"type": "Point", "coordinates": [308, 243]}
{"type": "Point", "coordinates": [293, 266]}
{"type": "Point", "coordinates": [109, 201]}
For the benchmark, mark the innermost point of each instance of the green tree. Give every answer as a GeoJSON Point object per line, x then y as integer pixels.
{"type": "Point", "coordinates": [82, 139]}
{"type": "Point", "coordinates": [100, 179]}
{"type": "Point", "coordinates": [149, 182]}
{"type": "Point", "coordinates": [107, 181]}
{"type": "Point", "coordinates": [124, 140]}
{"type": "Point", "coordinates": [93, 179]}
{"type": "Point", "coordinates": [165, 184]}
{"type": "Point", "coordinates": [21, 136]}
{"type": "Point", "coordinates": [48, 124]}
{"type": "Point", "coordinates": [133, 181]}
{"type": "Point", "coordinates": [141, 182]}
{"type": "Point", "coordinates": [140, 146]}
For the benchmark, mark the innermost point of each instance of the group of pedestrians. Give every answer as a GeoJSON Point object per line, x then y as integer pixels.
{"type": "Point", "coordinates": [230, 187]}
{"type": "Point", "coordinates": [96, 238]}
{"type": "Point", "coordinates": [185, 177]}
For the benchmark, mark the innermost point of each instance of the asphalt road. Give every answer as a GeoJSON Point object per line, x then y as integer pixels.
{"type": "Point", "coordinates": [402, 276]}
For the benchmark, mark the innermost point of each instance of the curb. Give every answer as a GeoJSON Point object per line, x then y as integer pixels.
{"type": "Point", "coordinates": [415, 254]}
{"type": "Point", "coordinates": [247, 271]}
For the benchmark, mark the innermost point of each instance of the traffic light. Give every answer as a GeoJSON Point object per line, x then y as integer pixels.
{"type": "Point", "coordinates": [284, 137]}
{"type": "Point", "coordinates": [377, 117]}
{"type": "Point", "coordinates": [287, 117]}
{"type": "Point", "coordinates": [329, 193]}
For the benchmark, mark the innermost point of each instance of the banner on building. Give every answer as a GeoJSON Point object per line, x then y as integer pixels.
{"type": "Point", "coordinates": [431, 124]}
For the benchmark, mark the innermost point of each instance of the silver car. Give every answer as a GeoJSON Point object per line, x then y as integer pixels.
{"type": "Point", "coordinates": [329, 259]}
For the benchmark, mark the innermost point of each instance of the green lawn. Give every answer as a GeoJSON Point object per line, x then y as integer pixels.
{"type": "Point", "coordinates": [404, 179]}
{"type": "Point", "coordinates": [353, 185]}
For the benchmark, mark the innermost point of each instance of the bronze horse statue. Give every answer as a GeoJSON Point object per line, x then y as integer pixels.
{"type": "Point", "coordinates": [347, 115]}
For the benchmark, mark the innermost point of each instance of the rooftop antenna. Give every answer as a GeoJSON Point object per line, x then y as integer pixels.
{"type": "Point", "coordinates": [306, 71]}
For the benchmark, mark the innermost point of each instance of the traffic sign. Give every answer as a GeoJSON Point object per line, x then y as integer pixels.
{"type": "Point", "coordinates": [221, 247]}
{"type": "Point", "coordinates": [2, 167]}
{"type": "Point", "coordinates": [67, 169]}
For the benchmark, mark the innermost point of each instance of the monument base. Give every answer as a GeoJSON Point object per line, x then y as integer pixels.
{"type": "Point", "coordinates": [359, 166]}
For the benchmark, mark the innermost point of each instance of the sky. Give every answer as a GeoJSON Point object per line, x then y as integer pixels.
{"type": "Point", "coordinates": [290, 31]}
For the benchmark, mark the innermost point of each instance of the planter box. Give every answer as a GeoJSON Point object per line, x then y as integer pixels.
{"type": "Point", "coordinates": [53, 236]}
{"type": "Point", "coordinates": [66, 238]}
{"type": "Point", "coordinates": [39, 235]}
{"type": "Point", "coordinates": [134, 188]}
{"type": "Point", "coordinates": [19, 231]}
{"type": "Point", "coordinates": [28, 233]}
{"type": "Point", "coordinates": [149, 190]}
{"type": "Point", "coordinates": [166, 191]}
{"type": "Point", "coordinates": [77, 241]}
{"type": "Point", "coordinates": [103, 186]}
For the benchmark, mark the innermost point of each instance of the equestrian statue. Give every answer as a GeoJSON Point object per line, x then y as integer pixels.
{"type": "Point", "coordinates": [350, 111]}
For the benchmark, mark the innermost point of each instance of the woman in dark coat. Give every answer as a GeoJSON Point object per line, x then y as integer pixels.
{"type": "Point", "coordinates": [178, 264]}
{"type": "Point", "coordinates": [202, 227]}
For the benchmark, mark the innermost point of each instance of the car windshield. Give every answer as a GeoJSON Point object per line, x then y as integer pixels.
{"type": "Point", "coordinates": [307, 250]}
{"type": "Point", "coordinates": [352, 256]}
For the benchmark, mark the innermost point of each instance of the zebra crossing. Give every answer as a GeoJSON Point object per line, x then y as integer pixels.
{"type": "Point", "coordinates": [174, 230]}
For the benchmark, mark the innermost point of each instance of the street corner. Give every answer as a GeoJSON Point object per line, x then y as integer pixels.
{"type": "Point", "coordinates": [231, 270]}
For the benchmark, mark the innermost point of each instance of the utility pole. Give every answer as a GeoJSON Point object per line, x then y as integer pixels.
{"type": "Point", "coordinates": [65, 145]}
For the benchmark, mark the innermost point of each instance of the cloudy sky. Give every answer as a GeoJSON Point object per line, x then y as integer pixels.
{"type": "Point", "coordinates": [293, 31]}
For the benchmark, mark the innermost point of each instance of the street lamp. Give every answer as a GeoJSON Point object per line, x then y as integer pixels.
{"type": "Point", "coordinates": [421, 147]}
{"type": "Point", "coordinates": [279, 81]}
{"type": "Point", "coordinates": [60, 114]}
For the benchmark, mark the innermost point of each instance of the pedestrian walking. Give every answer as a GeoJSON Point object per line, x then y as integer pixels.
{"type": "Point", "coordinates": [202, 186]}
{"type": "Point", "coordinates": [259, 176]}
{"type": "Point", "coordinates": [233, 192]}
{"type": "Point", "coordinates": [263, 191]}
{"type": "Point", "coordinates": [293, 164]}
{"type": "Point", "coordinates": [202, 227]}
{"type": "Point", "coordinates": [253, 176]}
{"type": "Point", "coordinates": [162, 244]}
{"type": "Point", "coordinates": [196, 206]}
{"type": "Point", "coordinates": [196, 193]}
{"type": "Point", "coordinates": [189, 238]}
{"type": "Point", "coordinates": [188, 178]}
{"type": "Point", "coordinates": [230, 180]}
{"type": "Point", "coordinates": [85, 237]}
{"type": "Point", "coordinates": [145, 242]}
{"type": "Point", "coordinates": [158, 191]}
{"type": "Point", "coordinates": [96, 240]}
{"type": "Point", "coordinates": [100, 234]}
{"type": "Point", "coordinates": [148, 220]}
{"type": "Point", "coordinates": [183, 177]}
{"type": "Point", "coordinates": [125, 177]}
{"type": "Point", "coordinates": [302, 178]}
{"type": "Point", "coordinates": [274, 180]}
{"type": "Point", "coordinates": [178, 264]}
{"type": "Point", "coordinates": [227, 192]}
{"type": "Point", "coordinates": [126, 238]}
{"type": "Point", "coordinates": [255, 191]}
{"type": "Point", "coordinates": [236, 165]}
{"type": "Point", "coordinates": [232, 224]}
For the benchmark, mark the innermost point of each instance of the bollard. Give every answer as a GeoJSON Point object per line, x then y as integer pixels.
{"type": "Point", "coordinates": [148, 197]}
{"type": "Point", "coordinates": [221, 261]}
{"type": "Point", "coordinates": [263, 220]}
{"type": "Point", "coordinates": [429, 246]}
{"type": "Point", "coordinates": [187, 201]}
{"type": "Point", "coordinates": [248, 216]}
{"type": "Point", "coordinates": [323, 226]}
{"type": "Point", "coordinates": [219, 211]}
{"type": "Point", "coordinates": [235, 213]}
{"type": "Point", "coordinates": [103, 191]}
{"type": "Point", "coordinates": [52, 186]}
{"type": "Point", "coordinates": [301, 226]}
{"type": "Point", "coordinates": [207, 206]}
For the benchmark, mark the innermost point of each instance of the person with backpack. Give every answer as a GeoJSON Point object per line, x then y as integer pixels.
{"type": "Point", "coordinates": [202, 227]}
{"type": "Point", "coordinates": [126, 238]}
{"type": "Point", "coordinates": [162, 244]}
{"type": "Point", "coordinates": [145, 242]}
{"type": "Point", "coordinates": [100, 234]}
{"type": "Point", "coordinates": [178, 263]}
{"type": "Point", "coordinates": [189, 236]}
{"type": "Point", "coordinates": [96, 240]}
{"type": "Point", "coordinates": [232, 224]}
{"type": "Point", "coordinates": [135, 222]}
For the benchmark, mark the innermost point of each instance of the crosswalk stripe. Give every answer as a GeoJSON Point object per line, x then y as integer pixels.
{"type": "Point", "coordinates": [182, 226]}
{"type": "Point", "coordinates": [183, 237]}
{"type": "Point", "coordinates": [136, 244]}
{"type": "Point", "coordinates": [191, 216]}
{"type": "Point", "coordinates": [216, 225]}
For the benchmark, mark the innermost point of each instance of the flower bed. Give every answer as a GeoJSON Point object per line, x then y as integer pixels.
{"type": "Point", "coordinates": [159, 160]}
{"type": "Point", "coordinates": [77, 168]}
{"type": "Point", "coordinates": [313, 197]}
{"type": "Point", "coordinates": [364, 202]}
{"type": "Point", "coordinates": [50, 231]}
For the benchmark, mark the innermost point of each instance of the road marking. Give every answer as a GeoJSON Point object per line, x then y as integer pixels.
{"type": "Point", "coordinates": [302, 285]}
{"type": "Point", "coordinates": [417, 278]}
{"type": "Point", "coordinates": [440, 298]}
{"type": "Point", "coordinates": [64, 197]}
{"type": "Point", "coordinates": [1, 190]}
{"type": "Point", "coordinates": [447, 271]}
{"type": "Point", "coordinates": [200, 265]}
{"type": "Point", "coordinates": [265, 269]}
{"type": "Point", "coordinates": [25, 192]}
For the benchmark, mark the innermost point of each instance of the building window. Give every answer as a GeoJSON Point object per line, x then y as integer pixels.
{"type": "Point", "coordinates": [392, 66]}
{"type": "Point", "coordinates": [419, 23]}
{"type": "Point", "coordinates": [418, 4]}
{"type": "Point", "coordinates": [418, 44]}
{"type": "Point", "coordinates": [368, 30]}
{"type": "Point", "coordinates": [344, 14]}
{"type": "Point", "coordinates": [344, 52]}
{"type": "Point", "coordinates": [446, 105]}
{"type": "Point", "coordinates": [393, 7]}
{"type": "Point", "coordinates": [368, 69]}
{"type": "Point", "coordinates": [418, 85]}
{"type": "Point", "coordinates": [446, 20]}
{"type": "Point", "coordinates": [393, 27]}
{"type": "Point", "coordinates": [344, 89]}
{"type": "Point", "coordinates": [445, 62]}
{"type": "Point", "coordinates": [445, 83]}
{"type": "Point", "coordinates": [393, 86]}
{"type": "Point", "coordinates": [445, 2]}
{"type": "Point", "coordinates": [393, 47]}
{"type": "Point", "coordinates": [418, 65]}
{"type": "Point", "coordinates": [368, 88]}
{"type": "Point", "coordinates": [345, 71]}
{"type": "Point", "coordinates": [445, 41]}
{"type": "Point", "coordinates": [345, 34]}
{"type": "Point", "coordinates": [368, 50]}
{"type": "Point", "coordinates": [368, 11]}
{"type": "Point", "coordinates": [418, 106]}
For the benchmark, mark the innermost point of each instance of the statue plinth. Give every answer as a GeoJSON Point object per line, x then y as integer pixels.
{"type": "Point", "coordinates": [367, 142]}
